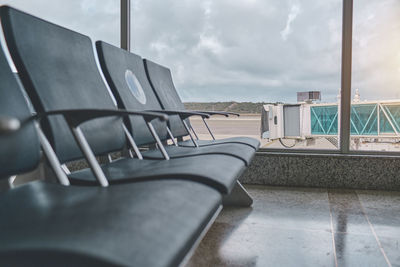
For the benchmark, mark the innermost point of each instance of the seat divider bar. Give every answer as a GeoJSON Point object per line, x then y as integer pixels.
{"type": "Point", "coordinates": [90, 157]}
{"type": "Point", "coordinates": [194, 132]}
{"type": "Point", "coordinates": [190, 133]}
{"type": "Point", "coordinates": [208, 128]}
{"type": "Point", "coordinates": [132, 142]}
{"type": "Point", "coordinates": [52, 157]}
{"type": "Point", "coordinates": [65, 169]}
{"type": "Point", "coordinates": [171, 136]}
{"type": "Point", "coordinates": [157, 138]}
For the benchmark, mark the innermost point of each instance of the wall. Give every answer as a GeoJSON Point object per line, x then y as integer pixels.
{"type": "Point", "coordinates": [328, 171]}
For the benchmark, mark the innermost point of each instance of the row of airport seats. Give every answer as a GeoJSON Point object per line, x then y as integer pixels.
{"type": "Point", "coordinates": [150, 207]}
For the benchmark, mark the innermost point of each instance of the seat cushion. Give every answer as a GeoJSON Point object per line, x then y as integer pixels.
{"type": "Point", "coordinates": [240, 151]}
{"type": "Point", "coordinates": [254, 143]}
{"type": "Point", "coordinates": [151, 223]}
{"type": "Point", "coordinates": [218, 171]}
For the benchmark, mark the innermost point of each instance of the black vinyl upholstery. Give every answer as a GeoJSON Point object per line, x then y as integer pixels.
{"type": "Point", "coordinates": [161, 80]}
{"type": "Point", "coordinates": [147, 223]}
{"type": "Point", "coordinates": [19, 150]}
{"type": "Point", "coordinates": [218, 171]}
{"type": "Point", "coordinates": [57, 66]}
{"type": "Point", "coordinates": [251, 142]}
{"type": "Point", "coordinates": [245, 153]}
{"type": "Point", "coordinates": [46, 56]}
{"type": "Point", "coordinates": [152, 223]}
{"type": "Point", "coordinates": [115, 62]}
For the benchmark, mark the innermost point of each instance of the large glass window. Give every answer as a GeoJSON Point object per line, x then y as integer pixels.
{"type": "Point", "coordinates": [277, 63]}
{"type": "Point", "coordinates": [375, 113]}
{"type": "Point", "coordinates": [241, 55]}
{"type": "Point", "coordinates": [98, 19]}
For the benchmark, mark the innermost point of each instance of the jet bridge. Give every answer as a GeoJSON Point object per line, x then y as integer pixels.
{"type": "Point", "coordinates": [372, 121]}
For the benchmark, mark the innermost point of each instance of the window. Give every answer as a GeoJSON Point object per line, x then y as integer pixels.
{"type": "Point", "coordinates": [97, 18]}
{"type": "Point", "coordinates": [375, 113]}
{"type": "Point", "coordinates": [278, 63]}
{"type": "Point", "coordinates": [240, 55]}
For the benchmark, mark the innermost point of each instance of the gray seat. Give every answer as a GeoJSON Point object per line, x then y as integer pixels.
{"type": "Point", "coordinates": [254, 143]}
{"type": "Point", "coordinates": [223, 177]}
{"type": "Point", "coordinates": [236, 150]}
{"type": "Point", "coordinates": [126, 75]}
{"type": "Point", "coordinates": [161, 81]}
{"type": "Point", "coordinates": [58, 70]}
{"type": "Point", "coordinates": [148, 223]}
{"type": "Point", "coordinates": [152, 223]}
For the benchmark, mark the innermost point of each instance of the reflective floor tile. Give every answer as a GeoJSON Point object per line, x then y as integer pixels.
{"type": "Point", "coordinates": [358, 250]}
{"type": "Point", "coordinates": [391, 247]}
{"type": "Point", "coordinates": [255, 245]}
{"type": "Point", "coordinates": [293, 227]}
{"type": "Point", "coordinates": [283, 208]}
{"type": "Point", "coordinates": [347, 213]}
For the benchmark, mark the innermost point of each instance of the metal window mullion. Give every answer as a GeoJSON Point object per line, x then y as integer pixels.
{"type": "Point", "coordinates": [345, 100]}
{"type": "Point", "coordinates": [125, 27]}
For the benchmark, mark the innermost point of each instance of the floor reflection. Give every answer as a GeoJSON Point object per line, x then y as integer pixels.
{"type": "Point", "coordinates": [340, 239]}
{"type": "Point", "coordinates": [293, 227]}
{"type": "Point", "coordinates": [209, 251]}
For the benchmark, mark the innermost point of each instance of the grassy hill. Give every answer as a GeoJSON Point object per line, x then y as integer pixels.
{"type": "Point", "coordinates": [239, 107]}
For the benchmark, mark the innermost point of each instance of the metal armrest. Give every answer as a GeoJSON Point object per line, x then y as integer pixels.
{"type": "Point", "coordinates": [9, 125]}
{"type": "Point", "coordinates": [223, 113]}
{"type": "Point", "coordinates": [78, 116]}
{"type": "Point", "coordinates": [182, 114]}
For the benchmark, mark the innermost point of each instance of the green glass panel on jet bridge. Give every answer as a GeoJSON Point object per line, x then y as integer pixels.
{"type": "Point", "coordinates": [324, 120]}
{"type": "Point", "coordinates": [389, 118]}
{"type": "Point", "coordinates": [364, 119]}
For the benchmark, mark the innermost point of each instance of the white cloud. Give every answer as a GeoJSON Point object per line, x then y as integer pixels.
{"type": "Point", "coordinates": [210, 43]}
{"type": "Point", "coordinates": [293, 13]}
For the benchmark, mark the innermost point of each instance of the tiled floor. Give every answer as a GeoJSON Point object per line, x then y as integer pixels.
{"type": "Point", "coordinates": [306, 227]}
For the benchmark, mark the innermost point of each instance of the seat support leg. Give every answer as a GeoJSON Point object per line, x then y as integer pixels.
{"type": "Point", "coordinates": [239, 197]}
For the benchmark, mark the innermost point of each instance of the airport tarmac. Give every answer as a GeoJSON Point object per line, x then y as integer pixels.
{"type": "Point", "coordinates": [223, 127]}
{"type": "Point", "coordinates": [249, 125]}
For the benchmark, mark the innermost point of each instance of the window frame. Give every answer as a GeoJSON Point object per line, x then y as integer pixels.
{"type": "Point", "coordinates": [346, 76]}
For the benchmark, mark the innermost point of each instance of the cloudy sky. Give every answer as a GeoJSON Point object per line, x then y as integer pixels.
{"type": "Point", "coordinates": [248, 50]}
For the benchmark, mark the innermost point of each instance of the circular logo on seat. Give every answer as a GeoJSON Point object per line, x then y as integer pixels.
{"type": "Point", "coordinates": [135, 87]}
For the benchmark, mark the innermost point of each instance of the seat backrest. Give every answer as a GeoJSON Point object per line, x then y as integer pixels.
{"type": "Point", "coordinates": [160, 79]}
{"type": "Point", "coordinates": [19, 150]}
{"type": "Point", "coordinates": [125, 73]}
{"type": "Point", "coordinates": [58, 70]}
